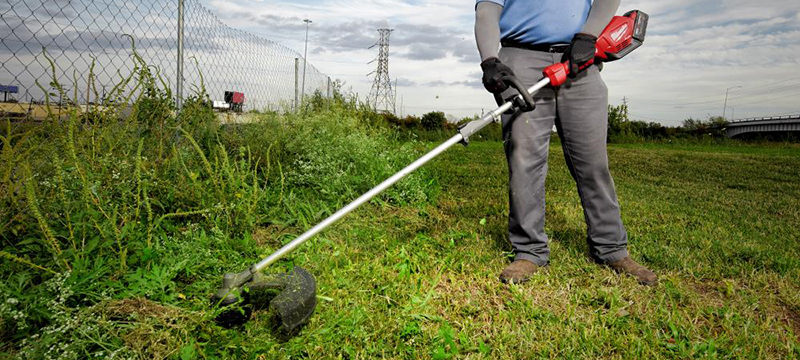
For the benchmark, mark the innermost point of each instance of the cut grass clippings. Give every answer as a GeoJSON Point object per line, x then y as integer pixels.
{"type": "Point", "coordinates": [421, 282]}
{"type": "Point", "coordinates": [404, 278]}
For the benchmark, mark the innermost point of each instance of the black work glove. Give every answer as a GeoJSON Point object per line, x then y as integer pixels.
{"type": "Point", "coordinates": [580, 51]}
{"type": "Point", "coordinates": [493, 73]}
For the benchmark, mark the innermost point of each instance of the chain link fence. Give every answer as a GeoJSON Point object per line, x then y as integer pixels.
{"type": "Point", "coordinates": [75, 34]}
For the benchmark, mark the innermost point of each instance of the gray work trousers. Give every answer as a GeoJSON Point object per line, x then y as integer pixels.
{"type": "Point", "coordinates": [579, 109]}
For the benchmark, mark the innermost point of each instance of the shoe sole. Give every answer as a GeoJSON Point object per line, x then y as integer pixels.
{"type": "Point", "coordinates": [513, 281]}
{"type": "Point", "coordinates": [647, 283]}
{"type": "Point", "coordinates": [641, 282]}
{"type": "Point", "coordinates": [539, 270]}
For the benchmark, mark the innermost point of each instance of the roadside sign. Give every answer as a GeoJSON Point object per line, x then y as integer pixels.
{"type": "Point", "coordinates": [9, 89]}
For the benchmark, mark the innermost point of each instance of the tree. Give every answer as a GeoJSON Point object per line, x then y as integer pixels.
{"type": "Point", "coordinates": [433, 120]}
{"type": "Point", "coordinates": [617, 115]}
{"type": "Point", "coordinates": [714, 126]}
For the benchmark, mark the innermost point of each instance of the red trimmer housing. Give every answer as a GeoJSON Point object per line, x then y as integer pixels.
{"type": "Point", "coordinates": [622, 35]}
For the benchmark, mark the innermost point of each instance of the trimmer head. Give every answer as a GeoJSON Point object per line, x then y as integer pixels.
{"type": "Point", "coordinates": [290, 297]}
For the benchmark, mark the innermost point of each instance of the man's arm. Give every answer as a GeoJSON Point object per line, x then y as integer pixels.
{"type": "Point", "coordinates": [487, 28]}
{"type": "Point", "coordinates": [601, 13]}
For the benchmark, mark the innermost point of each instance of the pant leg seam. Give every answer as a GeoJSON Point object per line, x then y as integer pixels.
{"type": "Point", "coordinates": [578, 178]}
{"type": "Point", "coordinates": [581, 193]}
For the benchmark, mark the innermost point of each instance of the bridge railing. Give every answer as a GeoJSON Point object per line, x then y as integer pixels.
{"type": "Point", "coordinates": [767, 118]}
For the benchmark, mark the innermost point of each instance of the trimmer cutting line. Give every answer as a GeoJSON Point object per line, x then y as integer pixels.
{"type": "Point", "coordinates": [295, 303]}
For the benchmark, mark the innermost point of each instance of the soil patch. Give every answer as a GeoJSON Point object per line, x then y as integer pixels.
{"type": "Point", "coordinates": [792, 318]}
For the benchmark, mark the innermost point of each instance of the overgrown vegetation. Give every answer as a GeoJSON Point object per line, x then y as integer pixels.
{"type": "Point", "coordinates": [622, 129]}
{"type": "Point", "coordinates": [117, 228]}
{"type": "Point", "coordinates": [433, 126]}
{"type": "Point", "coordinates": [104, 210]}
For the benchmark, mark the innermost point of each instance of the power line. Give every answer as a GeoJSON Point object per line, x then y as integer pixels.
{"type": "Point", "coordinates": [441, 108]}
{"type": "Point", "coordinates": [768, 100]}
{"type": "Point", "coordinates": [736, 105]}
{"type": "Point", "coordinates": [342, 61]}
{"type": "Point", "coordinates": [767, 92]}
{"type": "Point", "coordinates": [745, 90]}
{"type": "Point", "coordinates": [796, 112]}
{"type": "Point", "coordinates": [323, 44]}
{"type": "Point", "coordinates": [642, 117]}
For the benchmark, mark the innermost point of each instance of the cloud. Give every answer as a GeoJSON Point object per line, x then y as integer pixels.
{"type": "Point", "coordinates": [23, 37]}
{"type": "Point", "coordinates": [693, 50]}
{"type": "Point", "coordinates": [406, 82]}
{"type": "Point", "coordinates": [692, 53]}
{"type": "Point", "coordinates": [411, 39]}
{"type": "Point", "coordinates": [465, 83]}
{"type": "Point", "coordinates": [425, 52]}
{"type": "Point", "coordinates": [59, 9]}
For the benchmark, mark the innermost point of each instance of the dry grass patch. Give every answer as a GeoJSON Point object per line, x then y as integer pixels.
{"type": "Point", "coordinates": [151, 330]}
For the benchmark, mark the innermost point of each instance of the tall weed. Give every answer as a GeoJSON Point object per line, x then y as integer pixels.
{"type": "Point", "coordinates": [135, 200]}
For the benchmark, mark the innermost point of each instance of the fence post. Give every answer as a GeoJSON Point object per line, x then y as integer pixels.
{"type": "Point", "coordinates": [179, 84]}
{"type": "Point", "coordinates": [329, 87]}
{"type": "Point", "coordinates": [296, 80]}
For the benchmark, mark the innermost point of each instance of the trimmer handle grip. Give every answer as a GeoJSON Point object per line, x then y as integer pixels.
{"type": "Point", "coordinates": [522, 101]}
{"type": "Point", "coordinates": [557, 73]}
{"type": "Point", "coordinates": [527, 103]}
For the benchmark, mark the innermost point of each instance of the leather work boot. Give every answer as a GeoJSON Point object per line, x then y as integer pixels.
{"type": "Point", "coordinates": [626, 265]}
{"type": "Point", "coordinates": [518, 272]}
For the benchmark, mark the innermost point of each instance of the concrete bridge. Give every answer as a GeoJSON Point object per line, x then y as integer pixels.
{"type": "Point", "coordinates": [762, 125]}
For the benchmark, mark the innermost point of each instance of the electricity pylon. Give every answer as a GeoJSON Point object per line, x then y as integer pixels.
{"type": "Point", "coordinates": [381, 96]}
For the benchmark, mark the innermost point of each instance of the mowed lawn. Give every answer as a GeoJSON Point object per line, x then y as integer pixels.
{"type": "Point", "coordinates": [720, 225]}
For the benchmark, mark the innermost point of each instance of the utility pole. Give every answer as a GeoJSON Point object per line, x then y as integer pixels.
{"type": "Point", "coordinates": [381, 94]}
{"type": "Point", "coordinates": [394, 103]}
{"type": "Point", "coordinates": [179, 84]}
{"type": "Point", "coordinates": [725, 106]}
{"type": "Point", "coordinates": [296, 80]}
{"type": "Point", "coordinates": [329, 87]}
{"type": "Point", "coordinates": [305, 60]}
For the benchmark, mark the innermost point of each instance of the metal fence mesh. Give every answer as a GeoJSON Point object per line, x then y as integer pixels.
{"type": "Point", "coordinates": [76, 33]}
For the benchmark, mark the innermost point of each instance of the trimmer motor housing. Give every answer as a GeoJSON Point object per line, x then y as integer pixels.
{"type": "Point", "coordinates": [622, 35]}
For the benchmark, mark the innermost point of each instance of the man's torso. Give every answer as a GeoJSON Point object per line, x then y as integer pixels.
{"type": "Point", "coordinates": [532, 22]}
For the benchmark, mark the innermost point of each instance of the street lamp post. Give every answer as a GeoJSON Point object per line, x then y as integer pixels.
{"type": "Point", "coordinates": [725, 106]}
{"type": "Point", "coordinates": [305, 60]}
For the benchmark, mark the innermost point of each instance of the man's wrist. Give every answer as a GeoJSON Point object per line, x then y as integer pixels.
{"type": "Point", "coordinates": [489, 61]}
{"type": "Point", "coordinates": [584, 36]}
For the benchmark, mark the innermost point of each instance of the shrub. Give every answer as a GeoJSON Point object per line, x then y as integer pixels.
{"type": "Point", "coordinates": [110, 207]}
{"type": "Point", "coordinates": [433, 120]}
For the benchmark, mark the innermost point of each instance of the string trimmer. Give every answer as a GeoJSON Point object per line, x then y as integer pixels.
{"type": "Point", "coordinates": [296, 290]}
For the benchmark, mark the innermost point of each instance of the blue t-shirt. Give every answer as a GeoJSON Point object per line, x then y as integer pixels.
{"type": "Point", "coordinates": [541, 21]}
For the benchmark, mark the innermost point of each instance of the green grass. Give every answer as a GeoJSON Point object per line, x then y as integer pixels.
{"type": "Point", "coordinates": [115, 236]}
{"type": "Point", "coordinates": [115, 231]}
{"type": "Point", "coordinates": [719, 227]}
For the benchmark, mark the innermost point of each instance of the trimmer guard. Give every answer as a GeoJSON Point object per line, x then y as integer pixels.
{"type": "Point", "coordinates": [290, 297]}
{"type": "Point", "coordinates": [297, 299]}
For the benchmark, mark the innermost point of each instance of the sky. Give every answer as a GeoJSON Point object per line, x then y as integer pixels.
{"type": "Point", "coordinates": [693, 52]}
